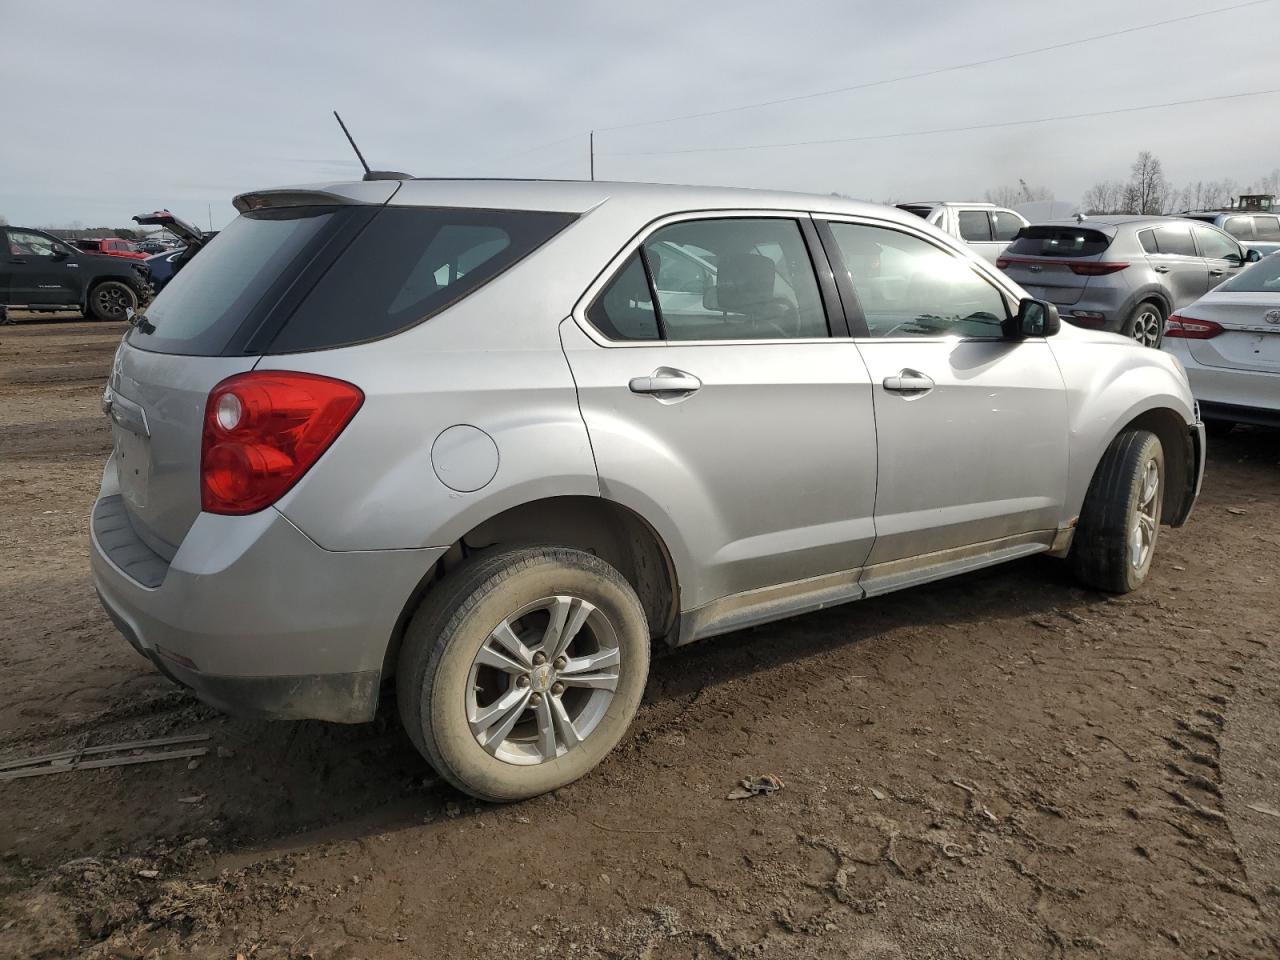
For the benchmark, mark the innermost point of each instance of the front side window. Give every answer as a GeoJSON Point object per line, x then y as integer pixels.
{"type": "Point", "coordinates": [1214, 246]}
{"type": "Point", "coordinates": [974, 225]}
{"type": "Point", "coordinates": [25, 244]}
{"type": "Point", "coordinates": [730, 279]}
{"type": "Point", "coordinates": [907, 287]}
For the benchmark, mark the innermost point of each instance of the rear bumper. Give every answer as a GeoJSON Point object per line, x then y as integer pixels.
{"type": "Point", "coordinates": [1228, 393]}
{"type": "Point", "coordinates": [256, 618]}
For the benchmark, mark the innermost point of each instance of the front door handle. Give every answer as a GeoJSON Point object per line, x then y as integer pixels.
{"type": "Point", "coordinates": [908, 381]}
{"type": "Point", "coordinates": [665, 380]}
{"type": "Point", "coordinates": [16, 260]}
{"type": "Point", "coordinates": [1216, 273]}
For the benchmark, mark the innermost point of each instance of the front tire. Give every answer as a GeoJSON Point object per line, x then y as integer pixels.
{"type": "Point", "coordinates": [112, 300]}
{"type": "Point", "coordinates": [522, 670]}
{"type": "Point", "coordinates": [1145, 325]}
{"type": "Point", "coordinates": [1116, 537]}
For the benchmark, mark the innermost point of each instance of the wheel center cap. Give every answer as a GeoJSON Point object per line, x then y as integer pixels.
{"type": "Point", "coordinates": [540, 679]}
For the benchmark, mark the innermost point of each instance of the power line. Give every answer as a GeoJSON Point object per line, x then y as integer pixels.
{"type": "Point", "coordinates": [932, 73]}
{"type": "Point", "coordinates": [925, 133]}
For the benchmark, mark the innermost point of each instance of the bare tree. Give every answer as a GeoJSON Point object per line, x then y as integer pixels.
{"type": "Point", "coordinates": [1008, 196]}
{"type": "Point", "coordinates": [1148, 185]}
{"type": "Point", "coordinates": [1105, 196]}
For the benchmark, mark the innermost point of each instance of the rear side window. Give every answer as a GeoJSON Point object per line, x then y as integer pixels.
{"type": "Point", "coordinates": [1239, 227]}
{"type": "Point", "coordinates": [974, 225]}
{"type": "Point", "coordinates": [727, 279]}
{"type": "Point", "coordinates": [1059, 242]}
{"type": "Point", "coordinates": [1176, 241]}
{"type": "Point", "coordinates": [407, 265]}
{"type": "Point", "coordinates": [1266, 228]}
{"type": "Point", "coordinates": [1148, 240]}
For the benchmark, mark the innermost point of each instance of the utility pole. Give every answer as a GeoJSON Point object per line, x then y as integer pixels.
{"type": "Point", "coordinates": [592, 144]}
{"type": "Point", "coordinates": [209, 210]}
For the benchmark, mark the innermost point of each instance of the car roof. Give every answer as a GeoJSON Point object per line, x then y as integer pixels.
{"type": "Point", "coordinates": [948, 203]}
{"type": "Point", "coordinates": [567, 196]}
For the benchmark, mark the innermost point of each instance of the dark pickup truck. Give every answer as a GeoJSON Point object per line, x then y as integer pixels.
{"type": "Point", "coordinates": [42, 273]}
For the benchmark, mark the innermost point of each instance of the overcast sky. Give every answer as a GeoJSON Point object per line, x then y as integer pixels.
{"type": "Point", "coordinates": [113, 109]}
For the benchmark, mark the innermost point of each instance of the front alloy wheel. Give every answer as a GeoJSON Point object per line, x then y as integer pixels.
{"type": "Point", "coordinates": [522, 669]}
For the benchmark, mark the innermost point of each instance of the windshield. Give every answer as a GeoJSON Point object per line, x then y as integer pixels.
{"type": "Point", "coordinates": [1262, 277]}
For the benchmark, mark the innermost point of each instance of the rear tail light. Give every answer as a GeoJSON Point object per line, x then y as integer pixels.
{"type": "Point", "coordinates": [1188, 329]}
{"type": "Point", "coordinates": [263, 431]}
{"type": "Point", "coordinates": [1096, 269]}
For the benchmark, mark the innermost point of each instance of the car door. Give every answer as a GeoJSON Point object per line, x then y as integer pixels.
{"type": "Point", "coordinates": [1173, 256]}
{"type": "Point", "coordinates": [1005, 225]}
{"type": "Point", "coordinates": [976, 230]}
{"type": "Point", "coordinates": [723, 408]}
{"type": "Point", "coordinates": [1222, 255]}
{"type": "Point", "coordinates": [972, 425]}
{"type": "Point", "coordinates": [41, 270]}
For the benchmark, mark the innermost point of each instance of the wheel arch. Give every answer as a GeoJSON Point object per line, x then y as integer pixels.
{"type": "Point", "coordinates": [617, 534]}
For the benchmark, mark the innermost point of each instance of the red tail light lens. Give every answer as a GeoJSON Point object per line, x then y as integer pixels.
{"type": "Point", "coordinates": [1096, 269]}
{"type": "Point", "coordinates": [1188, 329]}
{"type": "Point", "coordinates": [263, 431]}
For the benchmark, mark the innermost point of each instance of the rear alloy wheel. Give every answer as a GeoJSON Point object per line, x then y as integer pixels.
{"type": "Point", "coordinates": [1146, 325]}
{"type": "Point", "coordinates": [112, 300]}
{"type": "Point", "coordinates": [1115, 539]}
{"type": "Point", "coordinates": [522, 670]}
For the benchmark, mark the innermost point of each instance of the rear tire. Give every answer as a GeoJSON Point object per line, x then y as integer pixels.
{"type": "Point", "coordinates": [1145, 325]}
{"type": "Point", "coordinates": [1116, 537]}
{"type": "Point", "coordinates": [111, 300]}
{"type": "Point", "coordinates": [485, 637]}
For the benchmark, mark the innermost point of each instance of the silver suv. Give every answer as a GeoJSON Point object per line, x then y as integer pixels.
{"type": "Point", "coordinates": [493, 439]}
{"type": "Point", "coordinates": [1126, 274]}
{"type": "Point", "coordinates": [1255, 231]}
{"type": "Point", "coordinates": [986, 228]}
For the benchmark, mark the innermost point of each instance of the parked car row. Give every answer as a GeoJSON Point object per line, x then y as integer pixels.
{"type": "Point", "coordinates": [42, 273]}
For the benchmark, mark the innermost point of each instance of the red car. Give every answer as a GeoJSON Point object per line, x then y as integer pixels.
{"type": "Point", "coordinates": [111, 247]}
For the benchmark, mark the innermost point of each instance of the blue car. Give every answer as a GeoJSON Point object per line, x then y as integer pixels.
{"type": "Point", "coordinates": [164, 265]}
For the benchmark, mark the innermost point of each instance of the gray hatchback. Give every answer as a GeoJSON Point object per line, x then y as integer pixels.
{"type": "Point", "coordinates": [1126, 274]}
{"type": "Point", "coordinates": [493, 439]}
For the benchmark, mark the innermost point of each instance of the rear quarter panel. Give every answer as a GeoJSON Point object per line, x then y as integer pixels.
{"type": "Point", "coordinates": [1110, 381]}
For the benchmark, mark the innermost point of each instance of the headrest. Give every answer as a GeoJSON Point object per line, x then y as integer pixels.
{"type": "Point", "coordinates": [743, 281]}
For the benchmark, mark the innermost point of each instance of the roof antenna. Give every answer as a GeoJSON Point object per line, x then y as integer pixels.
{"type": "Point", "coordinates": [368, 174]}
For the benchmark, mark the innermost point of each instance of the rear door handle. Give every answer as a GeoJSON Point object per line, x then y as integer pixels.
{"type": "Point", "coordinates": [665, 380]}
{"type": "Point", "coordinates": [1160, 269]}
{"type": "Point", "coordinates": [16, 260]}
{"type": "Point", "coordinates": [1216, 273]}
{"type": "Point", "coordinates": [908, 381]}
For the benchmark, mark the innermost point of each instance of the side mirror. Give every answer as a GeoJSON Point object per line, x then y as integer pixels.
{"type": "Point", "coordinates": [60, 253]}
{"type": "Point", "coordinates": [1036, 318]}
{"type": "Point", "coordinates": [1252, 256]}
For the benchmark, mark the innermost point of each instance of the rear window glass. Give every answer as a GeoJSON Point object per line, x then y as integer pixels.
{"type": "Point", "coordinates": [203, 306]}
{"type": "Point", "coordinates": [1239, 227]}
{"type": "Point", "coordinates": [1059, 242]}
{"type": "Point", "coordinates": [1261, 277]}
{"type": "Point", "coordinates": [410, 263]}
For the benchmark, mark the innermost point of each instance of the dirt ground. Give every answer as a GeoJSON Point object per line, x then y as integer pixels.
{"type": "Point", "coordinates": [999, 766]}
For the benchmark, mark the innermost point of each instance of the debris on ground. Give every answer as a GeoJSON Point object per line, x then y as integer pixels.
{"type": "Point", "coordinates": [765, 784]}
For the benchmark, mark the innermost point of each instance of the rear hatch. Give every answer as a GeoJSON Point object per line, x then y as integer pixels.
{"type": "Point", "coordinates": [1055, 262]}
{"type": "Point", "coordinates": [1247, 310]}
{"type": "Point", "coordinates": [297, 272]}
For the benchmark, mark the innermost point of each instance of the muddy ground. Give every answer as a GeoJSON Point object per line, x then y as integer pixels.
{"type": "Point", "coordinates": [1003, 765]}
